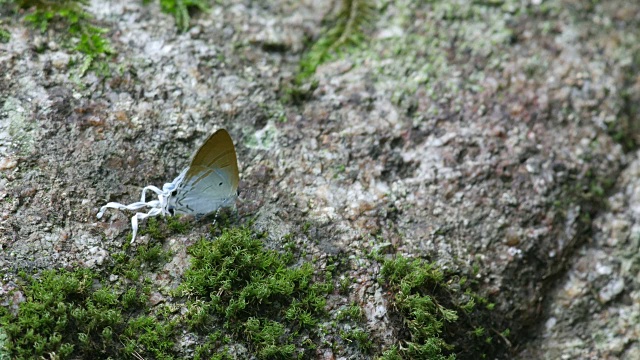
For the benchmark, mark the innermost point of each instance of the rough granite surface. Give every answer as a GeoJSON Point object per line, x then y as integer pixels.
{"type": "Point", "coordinates": [469, 133]}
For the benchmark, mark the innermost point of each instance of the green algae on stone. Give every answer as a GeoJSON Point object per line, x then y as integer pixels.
{"type": "Point", "coordinates": [264, 138]}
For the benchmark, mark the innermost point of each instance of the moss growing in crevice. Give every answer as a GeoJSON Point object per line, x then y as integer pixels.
{"type": "Point", "coordinates": [442, 317]}
{"type": "Point", "coordinates": [625, 130]}
{"type": "Point", "coordinates": [345, 30]}
{"type": "Point", "coordinates": [179, 9]}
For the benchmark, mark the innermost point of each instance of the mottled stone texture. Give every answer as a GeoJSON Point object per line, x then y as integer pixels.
{"type": "Point", "coordinates": [470, 133]}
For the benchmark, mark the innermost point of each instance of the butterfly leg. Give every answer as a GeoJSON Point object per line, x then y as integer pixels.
{"type": "Point", "coordinates": [150, 188]}
{"type": "Point", "coordinates": [215, 217]}
{"type": "Point", "coordinates": [141, 216]}
{"type": "Point", "coordinates": [116, 205]}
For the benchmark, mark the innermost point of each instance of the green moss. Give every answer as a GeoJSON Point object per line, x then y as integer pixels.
{"type": "Point", "coordinates": [4, 353]}
{"type": "Point", "coordinates": [345, 283]}
{"type": "Point", "coordinates": [353, 312]}
{"type": "Point", "coordinates": [131, 263]}
{"type": "Point", "coordinates": [154, 255]}
{"type": "Point", "coordinates": [180, 10]}
{"type": "Point", "coordinates": [215, 340]}
{"type": "Point", "coordinates": [255, 294]}
{"type": "Point", "coordinates": [391, 354]}
{"type": "Point", "coordinates": [360, 337]}
{"type": "Point", "coordinates": [442, 321]}
{"type": "Point", "coordinates": [346, 29]}
{"type": "Point", "coordinates": [148, 332]}
{"type": "Point", "coordinates": [152, 228]}
{"type": "Point", "coordinates": [176, 225]}
{"type": "Point", "coordinates": [71, 20]}
{"type": "Point", "coordinates": [625, 128]}
{"type": "Point", "coordinates": [163, 228]}
{"type": "Point", "coordinates": [305, 227]}
{"type": "Point", "coordinates": [74, 315]}
{"type": "Point", "coordinates": [80, 315]}
{"type": "Point", "coordinates": [238, 292]}
{"type": "Point", "coordinates": [5, 36]}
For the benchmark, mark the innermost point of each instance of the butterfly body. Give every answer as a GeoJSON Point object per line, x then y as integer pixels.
{"type": "Point", "coordinates": [208, 184]}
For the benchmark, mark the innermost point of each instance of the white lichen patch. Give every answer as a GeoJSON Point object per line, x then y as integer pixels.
{"type": "Point", "coordinates": [16, 131]}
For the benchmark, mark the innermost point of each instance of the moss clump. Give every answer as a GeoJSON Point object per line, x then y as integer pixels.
{"type": "Point", "coordinates": [132, 263]}
{"type": "Point", "coordinates": [160, 230]}
{"type": "Point", "coordinates": [238, 292]}
{"type": "Point", "coordinates": [5, 36]}
{"type": "Point", "coordinates": [442, 317]}
{"type": "Point", "coordinates": [256, 295]}
{"type": "Point", "coordinates": [70, 315]}
{"type": "Point", "coordinates": [353, 312]}
{"type": "Point", "coordinates": [79, 314]}
{"type": "Point", "coordinates": [352, 324]}
{"type": "Point", "coordinates": [359, 337]}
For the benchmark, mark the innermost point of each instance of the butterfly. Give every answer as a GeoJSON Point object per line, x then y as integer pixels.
{"type": "Point", "coordinates": [207, 185]}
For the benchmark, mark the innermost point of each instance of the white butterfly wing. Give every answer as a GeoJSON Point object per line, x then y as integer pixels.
{"type": "Point", "coordinates": [211, 190]}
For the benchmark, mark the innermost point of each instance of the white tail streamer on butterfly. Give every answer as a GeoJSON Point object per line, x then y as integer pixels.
{"type": "Point", "coordinates": [207, 185]}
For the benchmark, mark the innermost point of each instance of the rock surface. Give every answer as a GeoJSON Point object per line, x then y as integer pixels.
{"type": "Point", "coordinates": [476, 135]}
{"type": "Point", "coordinates": [593, 312]}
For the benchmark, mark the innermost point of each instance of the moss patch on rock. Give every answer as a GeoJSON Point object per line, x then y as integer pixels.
{"type": "Point", "coordinates": [240, 299]}
{"type": "Point", "coordinates": [258, 296]}
{"type": "Point", "coordinates": [73, 314]}
{"type": "Point", "coordinates": [442, 317]}
{"type": "Point", "coordinates": [69, 17]}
